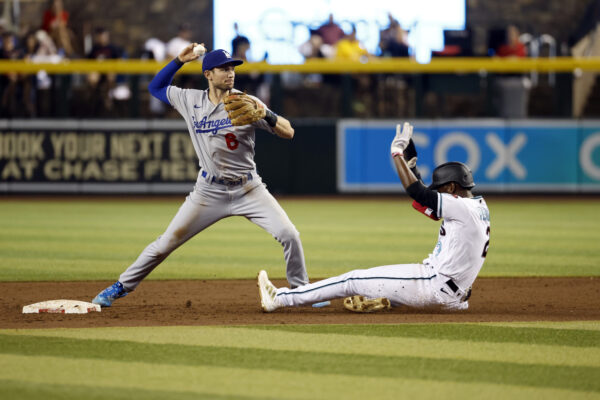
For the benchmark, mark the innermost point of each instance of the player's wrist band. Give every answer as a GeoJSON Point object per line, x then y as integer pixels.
{"type": "Point", "coordinates": [271, 118]}
{"type": "Point", "coordinates": [397, 154]}
{"type": "Point", "coordinates": [178, 61]}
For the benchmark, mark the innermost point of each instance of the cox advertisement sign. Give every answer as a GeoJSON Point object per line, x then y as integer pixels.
{"type": "Point", "coordinates": [505, 156]}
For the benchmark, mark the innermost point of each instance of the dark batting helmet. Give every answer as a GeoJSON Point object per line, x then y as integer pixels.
{"type": "Point", "coordinates": [452, 171]}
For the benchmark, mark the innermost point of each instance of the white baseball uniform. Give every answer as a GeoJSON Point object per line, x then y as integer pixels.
{"type": "Point", "coordinates": [443, 278]}
{"type": "Point", "coordinates": [227, 185]}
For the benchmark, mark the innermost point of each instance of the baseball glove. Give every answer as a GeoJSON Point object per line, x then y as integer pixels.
{"type": "Point", "coordinates": [243, 109]}
{"type": "Point", "coordinates": [363, 304]}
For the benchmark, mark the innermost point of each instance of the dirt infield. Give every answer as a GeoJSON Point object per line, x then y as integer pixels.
{"type": "Point", "coordinates": [235, 302]}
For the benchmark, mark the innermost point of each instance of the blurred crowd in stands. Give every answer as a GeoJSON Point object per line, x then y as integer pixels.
{"type": "Point", "coordinates": [108, 95]}
{"type": "Point", "coordinates": [52, 42]}
{"type": "Point", "coordinates": [25, 95]}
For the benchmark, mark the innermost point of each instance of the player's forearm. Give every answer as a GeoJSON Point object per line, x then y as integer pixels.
{"type": "Point", "coordinates": [404, 173]}
{"type": "Point", "coordinates": [283, 128]}
{"type": "Point", "coordinates": [413, 186]}
{"type": "Point", "coordinates": [161, 81]}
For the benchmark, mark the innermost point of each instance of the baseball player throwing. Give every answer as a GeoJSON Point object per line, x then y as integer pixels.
{"type": "Point", "coordinates": [443, 279]}
{"type": "Point", "coordinates": [221, 122]}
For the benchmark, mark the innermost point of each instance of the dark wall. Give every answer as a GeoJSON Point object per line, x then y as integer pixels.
{"type": "Point", "coordinates": [306, 164]}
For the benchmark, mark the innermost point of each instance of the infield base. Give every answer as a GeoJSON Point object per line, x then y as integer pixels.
{"type": "Point", "coordinates": [61, 307]}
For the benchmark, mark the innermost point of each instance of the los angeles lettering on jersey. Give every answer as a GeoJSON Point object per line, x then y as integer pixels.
{"type": "Point", "coordinates": [211, 126]}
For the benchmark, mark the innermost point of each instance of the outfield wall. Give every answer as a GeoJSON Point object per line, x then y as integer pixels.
{"type": "Point", "coordinates": [505, 155]}
{"type": "Point", "coordinates": [149, 156]}
{"type": "Point", "coordinates": [326, 156]}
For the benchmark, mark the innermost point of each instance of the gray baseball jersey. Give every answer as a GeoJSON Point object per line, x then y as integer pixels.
{"type": "Point", "coordinates": [224, 151]}
{"type": "Point", "coordinates": [227, 185]}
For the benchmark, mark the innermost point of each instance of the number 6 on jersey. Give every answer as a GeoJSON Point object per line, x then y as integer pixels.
{"type": "Point", "coordinates": [232, 142]}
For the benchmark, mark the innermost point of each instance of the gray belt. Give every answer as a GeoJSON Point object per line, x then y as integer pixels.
{"type": "Point", "coordinates": [227, 181]}
{"type": "Point", "coordinates": [233, 181]}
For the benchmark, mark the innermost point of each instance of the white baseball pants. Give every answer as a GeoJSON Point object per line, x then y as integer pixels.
{"type": "Point", "coordinates": [413, 285]}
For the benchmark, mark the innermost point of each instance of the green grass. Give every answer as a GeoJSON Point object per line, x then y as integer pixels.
{"type": "Point", "coordinates": [83, 240]}
{"type": "Point", "coordinates": [304, 362]}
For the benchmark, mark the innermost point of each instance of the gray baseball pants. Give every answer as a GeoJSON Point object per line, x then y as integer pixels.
{"type": "Point", "coordinates": [207, 204]}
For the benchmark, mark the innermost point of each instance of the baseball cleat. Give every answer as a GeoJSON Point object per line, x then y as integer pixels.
{"type": "Point", "coordinates": [106, 297]}
{"type": "Point", "coordinates": [363, 304]}
{"type": "Point", "coordinates": [268, 293]}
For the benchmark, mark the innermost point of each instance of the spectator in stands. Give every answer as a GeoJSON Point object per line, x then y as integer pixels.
{"type": "Point", "coordinates": [10, 51]}
{"type": "Point", "coordinates": [102, 48]}
{"type": "Point", "coordinates": [314, 47]}
{"type": "Point", "coordinates": [513, 46]}
{"type": "Point", "coordinates": [11, 82]}
{"type": "Point", "coordinates": [31, 46]}
{"type": "Point", "coordinates": [45, 48]}
{"type": "Point", "coordinates": [30, 82]}
{"type": "Point", "coordinates": [253, 82]}
{"type": "Point", "coordinates": [349, 48]}
{"type": "Point", "coordinates": [54, 16]}
{"type": "Point", "coordinates": [331, 32]}
{"type": "Point", "coordinates": [239, 45]}
{"type": "Point", "coordinates": [39, 47]}
{"type": "Point", "coordinates": [178, 43]}
{"type": "Point", "coordinates": [393, 40]}
{"type": "Point", "coordinates": [2, 31]}
{"type": "Point", "coordinates": [513, 90]}
{"type": "Point", "coordinates": [174, 47]}
{"type": "Point", "coordinates": [55, 22]}
{"type": "Point", "coordinates": [155, 49]}
{"type": "Point", "coordinates": [101, 85]}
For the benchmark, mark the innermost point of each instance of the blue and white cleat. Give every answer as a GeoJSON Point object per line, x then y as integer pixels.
{"type": "Point", "coordinates": [106, 297]}
{"type": "Point", "coordinates": [268, 292]}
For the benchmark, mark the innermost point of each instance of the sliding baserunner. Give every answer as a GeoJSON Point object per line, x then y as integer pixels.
{"type": "Point", "coordinates": [443, 279]}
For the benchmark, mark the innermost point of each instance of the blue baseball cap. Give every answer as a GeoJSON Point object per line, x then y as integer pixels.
{"type": "Point", "coordinates": [217, 58]}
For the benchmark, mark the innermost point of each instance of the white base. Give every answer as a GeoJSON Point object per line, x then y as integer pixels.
{"type": "Point", "coordinates": [61, 307]}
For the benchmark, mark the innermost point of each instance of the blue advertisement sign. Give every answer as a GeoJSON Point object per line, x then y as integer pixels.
{"type": "Point", "coordinates": [589, 156]}
{"type": "Point", "coordinates": [505, 156]}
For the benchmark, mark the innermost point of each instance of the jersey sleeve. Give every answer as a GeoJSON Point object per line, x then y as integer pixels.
{"type": "Point", "coordinates": [427, 211]}
{"type": "Point", "coordinates": [178, 98]}
{"type": "Point", "coordinates": [451, 207]}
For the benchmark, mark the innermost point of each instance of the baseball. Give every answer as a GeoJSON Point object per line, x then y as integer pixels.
{"type": "Point", "coordinates": [199, 50]}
